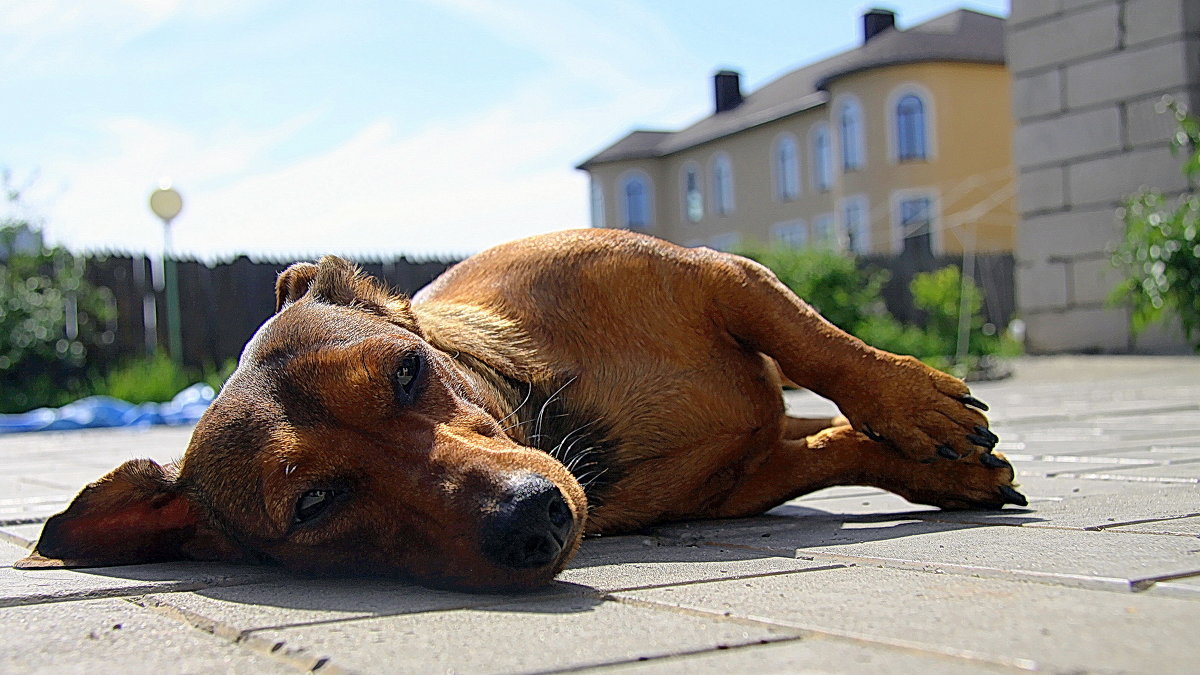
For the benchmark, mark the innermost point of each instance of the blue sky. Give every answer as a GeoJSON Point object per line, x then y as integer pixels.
{"type": "Point", "coordinates": [428, 127]}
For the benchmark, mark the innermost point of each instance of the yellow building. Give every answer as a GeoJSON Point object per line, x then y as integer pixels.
{"type": "Point", "coordinates": [902, 145]}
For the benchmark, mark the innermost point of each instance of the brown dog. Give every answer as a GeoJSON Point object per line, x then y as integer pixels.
{"type": "Point", "coordinates": [591, 381]}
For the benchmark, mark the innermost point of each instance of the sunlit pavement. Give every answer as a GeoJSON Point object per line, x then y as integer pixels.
{"type": "Point", "coordinates": [1100, 573]}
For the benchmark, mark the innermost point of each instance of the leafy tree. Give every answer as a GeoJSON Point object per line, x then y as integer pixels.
{"type": "Point", "coordinates": [1160, 253]}
{"type": "Point", "coordinates": [51, 318]}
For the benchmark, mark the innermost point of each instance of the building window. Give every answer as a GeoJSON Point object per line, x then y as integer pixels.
{"type": "Point", "coordinates": [793, 234]}
{"type": "Point", "coordinates": [597, 203]}
{"type": "Point", "coordinates": [851, 129]}
{"type": "Point", "coordinates": [722, 184]}
{"type": "Point", "coordinates": [823, 233]}
{"type": "Point", "coordinates": [725, 242]}
{"type": "Point", "coordinates": [911, 131]}
{"type": "Point", "coordinates": [915, 215]}
{"type": "Point", "coordinates": [822, 168]}
{"type": "Point", "coordinates": [786, 168]}
{"type": "Point", "coordinates": [637, 207]}
{"type": "Point", "coordinates": [856, 224]}
{"type": "Point", "coordinates": [693, 196]}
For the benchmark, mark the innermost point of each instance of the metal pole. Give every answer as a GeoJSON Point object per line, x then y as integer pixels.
{"type": "Point", "coordinates": [174, 336]}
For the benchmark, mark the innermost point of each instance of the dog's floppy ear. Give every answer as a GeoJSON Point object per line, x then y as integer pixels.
{"type": "Point", "coordinates": [293, 283]}
{"type": "Point", "coordinates": [135, 514]}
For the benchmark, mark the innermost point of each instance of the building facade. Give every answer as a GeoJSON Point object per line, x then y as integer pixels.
{"type": "Point", "coordinates": [901, 146]}
{"type": "Point", "coordinates": [1087, 76]}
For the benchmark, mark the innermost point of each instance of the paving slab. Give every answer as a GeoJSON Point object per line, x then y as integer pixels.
{"type": "Point", "coordinates": [27, 587]}
{"type": "Point", "coordinates": [1006, 622]}
{"type": "Point", "coordinates": [546, 635]}
{"type": "Point", "coordinates": [1105, 559]}
{"type": "Point", "coordinates": [640, 562]}
{"type": "Point", "coordinates": [815, 654]}
{"type": "Point", "coordinates": [291, 601]}
{"type": "Point", "coordinates": [116, 636]}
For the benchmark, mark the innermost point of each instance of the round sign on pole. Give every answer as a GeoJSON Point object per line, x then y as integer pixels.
{"type": "Point", "coordinates": [166, 203]}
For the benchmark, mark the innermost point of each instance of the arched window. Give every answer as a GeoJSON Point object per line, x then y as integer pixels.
{"type": "Point", "coordinates": [722, 184]}
{"type": "Point", "coordinates": [693, 194]}
{"type": "Point", "coordinates": [911, 143]}
{"type": "Point", "coordinates": [597, 203]}
{"type": "Point", "coordinates": [850, 127]}
{"type": "Point", "coordinates": [635, 192]}
{"type": "Point", "coordinates": [786, 168]}
{"type": "Point", "coordinates": [822, 169]}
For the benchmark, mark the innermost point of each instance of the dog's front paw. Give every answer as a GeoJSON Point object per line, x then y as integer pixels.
{"type": "Point", "coordinates": [924, 413]}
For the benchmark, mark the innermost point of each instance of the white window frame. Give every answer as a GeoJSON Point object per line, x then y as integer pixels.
{"type": "Point", "coordinates": [897, 198]}
{"type": "Point", "coordinates": [821, 162]}
{"type": "Point", "coordinates": [685, 204]}
{"type": "Point", "coordinates": [623, 198]}
{"type": "Point", "coordinates": [929, 111]}
{"type": "Point", "coordinates": [843, 105]}
{"type": "Point", "coordinates": [862, 239]}
{"type": "Point", "coordinates": [721, 169]}
{"type": "Point", "coordinates": [786, 185]}
{"type": "Point", "coordinates": [791, 233]}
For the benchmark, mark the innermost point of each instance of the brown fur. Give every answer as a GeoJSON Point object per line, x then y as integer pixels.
{"type": "Point", "coordinates": [638, 377]}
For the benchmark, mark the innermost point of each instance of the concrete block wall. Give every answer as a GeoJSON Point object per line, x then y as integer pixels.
{"type": "Point", "coordinates": [1086, 77]}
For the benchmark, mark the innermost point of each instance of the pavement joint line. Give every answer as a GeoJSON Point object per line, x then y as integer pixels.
{"type": "Point", "coordinates": [807, 630]}
{"type": "Point", "coordinates": [1110, 584]}
{"type": "Point", "coordinates": [668, 658]}
{"type": "Point", "coordinates": [1143, 521]}
{"type": "Point", "coordinates": [1170, 480]}
{"type": "Point", "coordinates": [32, 520]}
{"type": "Point", "coordinates": [16, 540]}
{"type": "Point", "coordinates": [736, 577]}
{"type": "Point", "coordinates": [1148, 583]}
{"type": "Point", "coordinates": [274, 649]}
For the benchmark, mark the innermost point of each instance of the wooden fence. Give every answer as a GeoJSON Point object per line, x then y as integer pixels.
{"type": "Point", "coordinates": [222, 305]}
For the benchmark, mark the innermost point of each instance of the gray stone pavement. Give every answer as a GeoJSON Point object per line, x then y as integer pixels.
{"type": "Point", "coordinates": [1100, 574]}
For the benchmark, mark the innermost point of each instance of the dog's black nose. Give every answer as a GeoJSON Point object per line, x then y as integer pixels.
{"type": "Point", "coordinates": [530, 527]}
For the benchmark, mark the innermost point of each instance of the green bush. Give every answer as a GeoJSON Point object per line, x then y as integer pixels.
{"type": "Point", "coordinates": [155, 378]}
{"type": "Point", "coordinates": [51, 321]}
{"type": "Point", "coordinates": [1160, 253]}
{"type": "Point", "coordinates": [852, 299]}
{"type": "Point", "coordinates": [829, 281]}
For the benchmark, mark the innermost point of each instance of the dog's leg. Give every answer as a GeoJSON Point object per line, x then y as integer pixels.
{"type": "Point", "coordinates": [842, 456]}
{"type": "Point", "coordinates": [922, 412]}
{"type": "Point", "coordinates": [796, 428]}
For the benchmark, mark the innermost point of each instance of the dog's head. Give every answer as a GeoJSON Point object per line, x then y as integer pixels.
{"type": "Point", "coordinates": [343, 443]}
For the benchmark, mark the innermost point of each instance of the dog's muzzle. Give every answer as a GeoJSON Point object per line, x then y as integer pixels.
{"type": "Point", "coordinates": [531, 526]}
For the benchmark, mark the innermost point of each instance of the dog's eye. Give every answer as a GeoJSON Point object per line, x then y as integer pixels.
{"type": "Point", "coordinates": [406, 376]}
{"type": "Point", "coordinates": [313, 504]}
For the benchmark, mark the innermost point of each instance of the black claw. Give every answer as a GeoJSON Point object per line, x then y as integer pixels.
{"type": "Point", "coordinates": [947, 452]}
{"type": "Point", "coordinates": [987, 433]}
{"type": "Point", "coordinates": [870, 433]}
{"type": "Point", "coordinates": [1011, 496]}
{"type": "Point", "coordinates": [985, 443]}
{"type": "Point", "coordinates": [973, 402]}
{"type": "Point", "coordinates": [993, 462]}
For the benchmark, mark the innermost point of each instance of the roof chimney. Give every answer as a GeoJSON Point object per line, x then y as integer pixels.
{"type": "Point", "coordinates": [875, 21]}
{"type": "Point", "coordinates": [727, 90]}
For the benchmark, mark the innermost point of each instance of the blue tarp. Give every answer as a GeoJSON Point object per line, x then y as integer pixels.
{"type": "Point", "coordinates": [105, 411]}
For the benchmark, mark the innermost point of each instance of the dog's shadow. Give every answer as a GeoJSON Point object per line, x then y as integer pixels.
{"type": "Point", "coordinates": [255, 598]}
